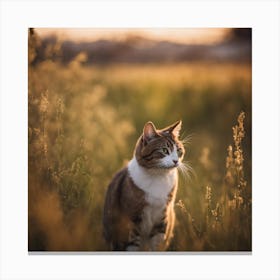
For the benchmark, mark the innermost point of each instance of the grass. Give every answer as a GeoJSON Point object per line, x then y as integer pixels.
{"type": "Point", "coordinates": [227, 218]}
{"type": "Point", "coordinates": [83, 123]}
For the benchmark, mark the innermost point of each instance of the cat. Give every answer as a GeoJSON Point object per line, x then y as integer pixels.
{"type": "Point", "coordinates": [139, 205]}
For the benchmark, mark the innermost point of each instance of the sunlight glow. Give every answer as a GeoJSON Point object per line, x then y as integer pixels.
{"type": "Point", "coordinates": [179, 35]}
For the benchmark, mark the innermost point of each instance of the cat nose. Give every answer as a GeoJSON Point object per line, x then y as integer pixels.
{"type": "Point", "coordinates": [175, 161]}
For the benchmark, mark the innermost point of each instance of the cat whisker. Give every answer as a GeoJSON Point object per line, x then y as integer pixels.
{"type": "Point", "coordinates": [188, 139]}
{"type": "Point", "coordinates": [186, 170]}
{"type": "Point", "coordinates": [183, 170]}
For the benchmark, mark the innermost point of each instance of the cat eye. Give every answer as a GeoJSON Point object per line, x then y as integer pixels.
{"type": "Point", "coordinates": [165, 151]}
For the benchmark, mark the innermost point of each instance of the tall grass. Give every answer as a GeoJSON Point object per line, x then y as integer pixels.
{"type": "Point", "coordinates": [83, 123]}
{"type": "Point", "coordinates": [227, 219]}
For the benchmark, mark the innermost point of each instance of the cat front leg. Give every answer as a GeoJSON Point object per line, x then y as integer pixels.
{"type": "Point", "coordinates": [158, 236]}
{"type": "Point", "coordinates": [133, 243]}
{"type": "Point", "coordinates": [157, 242]}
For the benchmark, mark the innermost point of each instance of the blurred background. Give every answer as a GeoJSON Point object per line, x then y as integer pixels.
{"type": "Point", "coordinates": [90, 92]}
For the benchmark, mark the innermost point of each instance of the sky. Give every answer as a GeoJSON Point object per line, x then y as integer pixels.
{"type": "Point", "coordinates": [181, 35]}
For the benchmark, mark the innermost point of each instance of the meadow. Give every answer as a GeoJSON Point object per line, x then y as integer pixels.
{"type": "Point", "coordinates": [83, 123]}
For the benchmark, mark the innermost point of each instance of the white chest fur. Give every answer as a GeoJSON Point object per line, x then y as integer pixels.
{"type": "Point", "coordinates": [157, 186]}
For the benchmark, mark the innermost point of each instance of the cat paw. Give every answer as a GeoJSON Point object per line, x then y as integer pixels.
{"type": "Point", "coordinates": [132, 248]}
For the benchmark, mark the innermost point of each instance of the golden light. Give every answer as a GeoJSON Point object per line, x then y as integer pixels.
{"type": "Point", "coordinates": [179, 35]}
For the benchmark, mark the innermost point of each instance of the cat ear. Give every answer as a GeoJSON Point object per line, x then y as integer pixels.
{"type": "Point", "coordinates": [174, 128]}
{"type": "Point", "coordinates": [149, 131]}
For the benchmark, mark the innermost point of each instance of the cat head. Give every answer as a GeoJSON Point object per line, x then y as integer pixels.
{"type": "Point", "coordinates": [160, 149]}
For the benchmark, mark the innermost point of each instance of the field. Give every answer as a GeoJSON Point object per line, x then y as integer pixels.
{"type": "Point", "coordinates": [83, 123]}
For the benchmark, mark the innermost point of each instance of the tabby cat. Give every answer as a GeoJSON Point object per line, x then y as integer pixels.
{"type": "Point", "coordinates": [139, 205]}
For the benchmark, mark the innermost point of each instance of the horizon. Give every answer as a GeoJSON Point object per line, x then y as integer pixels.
{"type": "Point", "coordinates": [176, 35]}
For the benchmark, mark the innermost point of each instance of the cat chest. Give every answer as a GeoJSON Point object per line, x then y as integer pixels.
{"type": "Point", "coordinates": [153, 213]}
{"type": "Point", "coordinates": [155, 210]}
{"type": "Point", "coordinates": [157, 188]}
